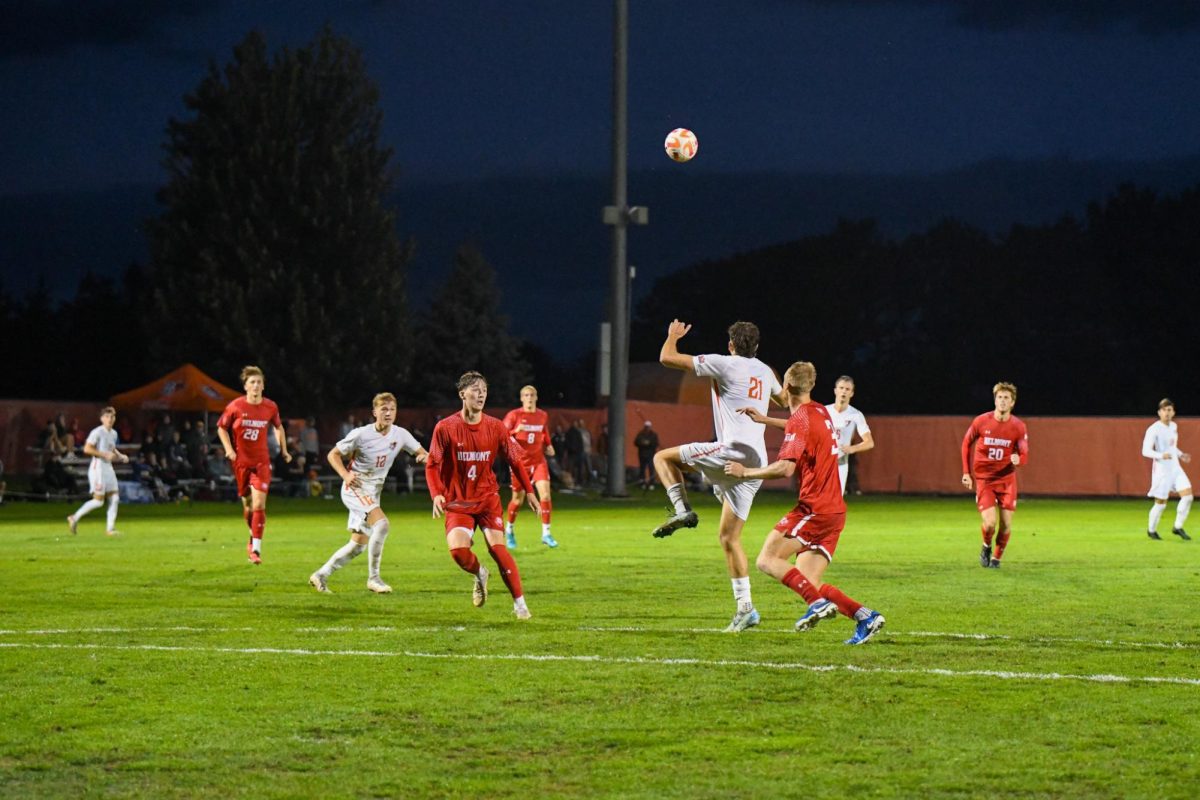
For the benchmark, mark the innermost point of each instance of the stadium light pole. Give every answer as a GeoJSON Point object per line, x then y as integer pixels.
{"type": "Point", "coordinates": [619, 215]}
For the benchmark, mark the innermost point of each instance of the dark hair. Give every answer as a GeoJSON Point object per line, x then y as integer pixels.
{"type": "Point", "coordinates": [1166, 401]}
{"type": "Point", "coordinates": [744, 336]}
{"type": "Point", "coordinates": [467, 378]}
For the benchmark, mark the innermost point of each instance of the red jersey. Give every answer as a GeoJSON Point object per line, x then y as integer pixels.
{"type": "Point", "coordinates": [531, 430]}
{"type": "Point", "coordinates": [461, 460]}
{"type": "Point", "coordinates": [811, 441]}
{"type": "Point", "coordinates": [994, 442]}
{"type": "Point", "coordinates": [249, 426]}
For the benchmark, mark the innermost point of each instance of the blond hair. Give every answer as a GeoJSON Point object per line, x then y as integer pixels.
{"type": "Point", "coordinates": [1005, 386]}
{"type": "Point", "coordinates": [383, 397]}
{"type": "Point", "coordinates": [528, 386]}
{"type": "Point", "coordinates": [800, 377]}
{"type": "Point", "coordinates": [249, 371]}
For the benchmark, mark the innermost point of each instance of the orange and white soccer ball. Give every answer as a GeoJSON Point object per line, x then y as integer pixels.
{"type": "Point", "coordinates": [681, 145]}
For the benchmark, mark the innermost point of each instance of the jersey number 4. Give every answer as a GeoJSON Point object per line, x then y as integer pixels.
{"type": "Point", "coordinates": [472, 472]}
{"type": "Point", "coordinates": [756, 386]}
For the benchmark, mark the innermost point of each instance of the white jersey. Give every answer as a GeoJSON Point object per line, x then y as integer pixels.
{"type": "Point", "coordinates": [739, 382]}
{"type": "Point", "coordinates": [374, 452]}
{"type": "Point", "coordinates": [1162, 439]}
{"type": "Point", "coordinates": [104, 440]}
{"type": "Point", "coordinates": [845, 423]}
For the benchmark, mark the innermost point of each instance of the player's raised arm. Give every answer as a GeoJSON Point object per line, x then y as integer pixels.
{"type": "Point", "coordinates": [670, 356]}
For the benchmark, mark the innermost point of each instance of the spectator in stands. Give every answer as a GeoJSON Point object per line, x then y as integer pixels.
{"type": "Point", "coordinates": [49, 442]}
{"type": "Point", "coordinates": [66, 439]}
{"type": "Point", "coordinates": [77, 434]}
{"type": "Point", "coordinates": [348, 425]}
{"type": "Point", "coordinates": [125, 429]}
{"type": "Point", "coordinates": [315, 488]}
{"type": "Point", "coordinates": [583, 469]}
{"type": "Point", "coordinates": [600, 462]}
{"type": "Point", "coordinates": [310, 442]}
{"type": "Point", "coordinates": [559, 440]}
{"type": "Point", "coordinates": [55, 478]}
{"type": "Point", "coordinates": [164, 433]}
{"type": "Point", "coordinates": [296, 476]}
{"type": "Point", "coordinates": [646, 443]}
{"type": "Point", "coordinates": [177, 456]}
{"type": "Point", "coordinates": [574, 450]}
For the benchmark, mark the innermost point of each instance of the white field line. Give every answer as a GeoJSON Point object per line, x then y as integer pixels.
{"type": "Point", "coordinates": [632, 660]}
{"type": "Point", "coordinates": [1117, 643]}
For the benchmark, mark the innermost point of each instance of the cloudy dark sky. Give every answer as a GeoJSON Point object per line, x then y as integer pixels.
{"type": "Point", "coordinates": [515, 86]}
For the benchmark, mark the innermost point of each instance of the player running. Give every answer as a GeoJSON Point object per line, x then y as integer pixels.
{"type": "Point", "coordinates": [811, 530]}
{"type": "Point", "coordinates": [1161, 445]}
{"type": "Point", "coordinates": [738, 379]}
{"type": "Point", "coordinates": [371, 450]}
{"type": "Point", "coordinates": [848, 420]}
{"type": "Point", "coordinates": [1000, 443]}
{"type": "Point", "coordinates": [530, 427]}
{"type": "Point", "coordinates": [101, 445]}
{"type": "Point", "coordinates": [463, 487]}
{"type": "Point", "coordinates": [246, 420]}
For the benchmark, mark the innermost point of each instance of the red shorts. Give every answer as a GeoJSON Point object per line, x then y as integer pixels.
{"type": "Point", "coordinates": [536, 472]}
{"type": "Point", "coordinates": [818, 532]}
{"type": "Point", "coordinates": [257, 476]}
{"type": "Point", "coordinates": [484, 514]}
{"type": "Point", "coordinates": [997, 492]}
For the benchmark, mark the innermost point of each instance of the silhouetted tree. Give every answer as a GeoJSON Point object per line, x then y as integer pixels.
{"type": "Point", "coordinates": [275, 245]}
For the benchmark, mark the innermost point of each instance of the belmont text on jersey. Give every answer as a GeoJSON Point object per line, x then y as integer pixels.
{"type": "Point", "coordinates": [473, 455]}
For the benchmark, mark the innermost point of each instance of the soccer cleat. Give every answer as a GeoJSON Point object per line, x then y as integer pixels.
{"type": "Point", "coordinates": [1181, 533]}
{"type": "Point", "coordinates": [742, 620]}
{"type": "Point", "coordinates": [112, 533]}
{"type": "Point", "coordinates": [994, 564]}
{"type": "Point", "coordinates": [522, 611]}
{"type": "Point", "coordinates": [1154, 535]}
{"type": "Point", "coordinates": [819, 610]}
{"type": "Point", "coordinates": [378, 587]}
{"type": "Point", "coordinates": [510, 540]}
{"type": "Point", "coordinates": [549, 541]}
{"type": "Point", "coordinates": [985, 555]}
{"type": "Point", "coordinates": [254, 557]}
{"type": "Point", "coordinates": [72, 525]}
{"type": "Point", "coordinates": [687, 519]}
{"type": "Point", "coordinates": [867, 628]}
{"type": "Point", "coordinates": [317, 581]}
{"type": "Point", "coordinates": [479, 593]}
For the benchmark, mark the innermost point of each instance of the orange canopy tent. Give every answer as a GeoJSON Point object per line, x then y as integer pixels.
{"type": "Point", "coordinates": [183, 389]}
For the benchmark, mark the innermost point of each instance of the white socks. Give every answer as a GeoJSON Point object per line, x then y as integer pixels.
{"type": "Point", "coordinates": [343, 556]}
{"type": "Point", "coordinates": [741, 593]}
{"type": "Point", "coordinates": [678, 498]}
{"type": "Point", "coordinates": [1156, 514]}
{"type": "Point", "coordinates": [1181, 511]}
{"type": "Point", "coordinates": [90, 505]}
{"type": "Point", "coordinates": [113, 502]}
{"type": "Point", "coordinates": [379, 534]}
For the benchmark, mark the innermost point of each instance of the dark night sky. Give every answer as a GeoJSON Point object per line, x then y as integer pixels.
{"type": "Point", "coordinates": [522, 87]}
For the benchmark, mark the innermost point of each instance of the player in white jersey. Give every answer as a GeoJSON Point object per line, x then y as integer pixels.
{"type": "Point", "coordinates": [739, 380]}
{"type": "Point", "coordinates": [371, 450]}
{"type": "Point", "coordinates": [101, 445]}
{"type": "Point", "coordinates": [848, 420]}
{"type": "Point", "coordinates": [1161, 445]}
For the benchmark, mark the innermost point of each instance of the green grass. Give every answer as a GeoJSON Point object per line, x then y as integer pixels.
{"type": "Point", "coordinates": [161, 664]}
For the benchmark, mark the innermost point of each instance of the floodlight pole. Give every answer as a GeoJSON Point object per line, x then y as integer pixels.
{"type": "Point", "coordinates": [619, 215]}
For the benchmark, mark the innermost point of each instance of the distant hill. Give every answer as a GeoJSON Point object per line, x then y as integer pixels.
{"type": "Point", "coordinates": [544, 235]}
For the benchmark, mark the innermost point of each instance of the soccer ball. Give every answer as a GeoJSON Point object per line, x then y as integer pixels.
{"type": "Point", "coordinates": [681, 145]}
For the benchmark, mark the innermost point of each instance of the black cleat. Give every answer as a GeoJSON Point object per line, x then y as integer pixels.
{"type": "Point", "coordinates": [1181, 533]}
{"type": "Point", "coordinates": [994, 564]}
{"type": "Point", "coordinates": [1154, 535]}
{"type": "Point", "coordinates": [687, 519]}
{"type": "Point", "coordinates": [985, 555]}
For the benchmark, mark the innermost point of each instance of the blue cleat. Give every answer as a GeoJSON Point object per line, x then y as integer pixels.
{"type": "Point", "coordinates": [742, 620]}
{"type": "Point", "coordinates": [510, 540]}
{"type": "Point", "coordinates": [867, 628]}
{"type": "Point", "coordinates": [548, 540]}
{"type": "Point", "coordinates": [821, 609]}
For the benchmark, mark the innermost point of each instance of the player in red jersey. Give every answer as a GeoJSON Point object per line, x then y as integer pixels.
{"type": "Point", "coordinates": [1000, 444]}
{"type": "Point", "coordinates": [810, 531]}
{"type": "Point", "coordinates": [246, 420]}
{"type": "Point", "coordinates": [463, 486]}
{"type": "Point", "coordinates": [530, 427]}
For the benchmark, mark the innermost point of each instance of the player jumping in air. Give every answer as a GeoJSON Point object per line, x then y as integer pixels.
{"type": "Point", "coordinates": [101, 445]}
{"type": "Point", "coordinates": [738, 380]}
{"type": "Point", "coordinates": [246, 421]}
{"type": "Point", "coordinates": [530, 427]}
{"type": "Point", "coordinates": [463, 487]}
{"type": "Point", "coordinates": [1161, 445]}
{"type": "Point", "coordinates": [999, 443]}
{"type": "Point", "coordinates": [811, 530]}
{"type": "Point", "coordinates": [371, 450]}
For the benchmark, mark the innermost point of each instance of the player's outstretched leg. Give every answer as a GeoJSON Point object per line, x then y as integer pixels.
{"type": "Point", "coordinates": [667, 465]}
{"type": "Point", "coordinates": [868, 624]}
{"type": "Point", "coordinates": [821, 609]}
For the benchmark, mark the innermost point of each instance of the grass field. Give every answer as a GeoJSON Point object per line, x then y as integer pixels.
{"type": "Point", "coordinates": [162, 664]}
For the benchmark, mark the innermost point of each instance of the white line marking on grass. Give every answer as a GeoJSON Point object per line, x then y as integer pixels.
{"type": "Point", "coordinates": [633, 660]}
{"type": "Point", "coordinates": [194, 629]}
{"type": "Point", "coordinates": [926, 634]}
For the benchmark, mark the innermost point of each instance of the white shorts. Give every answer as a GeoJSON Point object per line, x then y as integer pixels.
{"type": "Point", "coordinates": [360, 502]}
{"type": "Point", "coordinates": [709, 459]}
{"type": "Point", "coordinates": [102, 479]}
{"type": "Point", "coordinates": [1166, 479]}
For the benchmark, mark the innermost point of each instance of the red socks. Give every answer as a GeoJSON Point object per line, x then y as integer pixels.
{"type": "Point", "coordinates": [508, 568]}
{"type": "Point", "coordinates": [846, 606]}
{"type": "Point", "coordinates": [799, 584]}
{"type": "Point", "coordinates": [465, 559]}
{"type": "Point", "coordinates": [1001, 543]}
{"type": "Point", "coordinates": [258, 521]}
{"type": "Point", "coordinates": [987, 535]}
{"type": "Point", "coordinates": [545, 504]}
{"type": "Point", "coordinates": [513, 508]}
